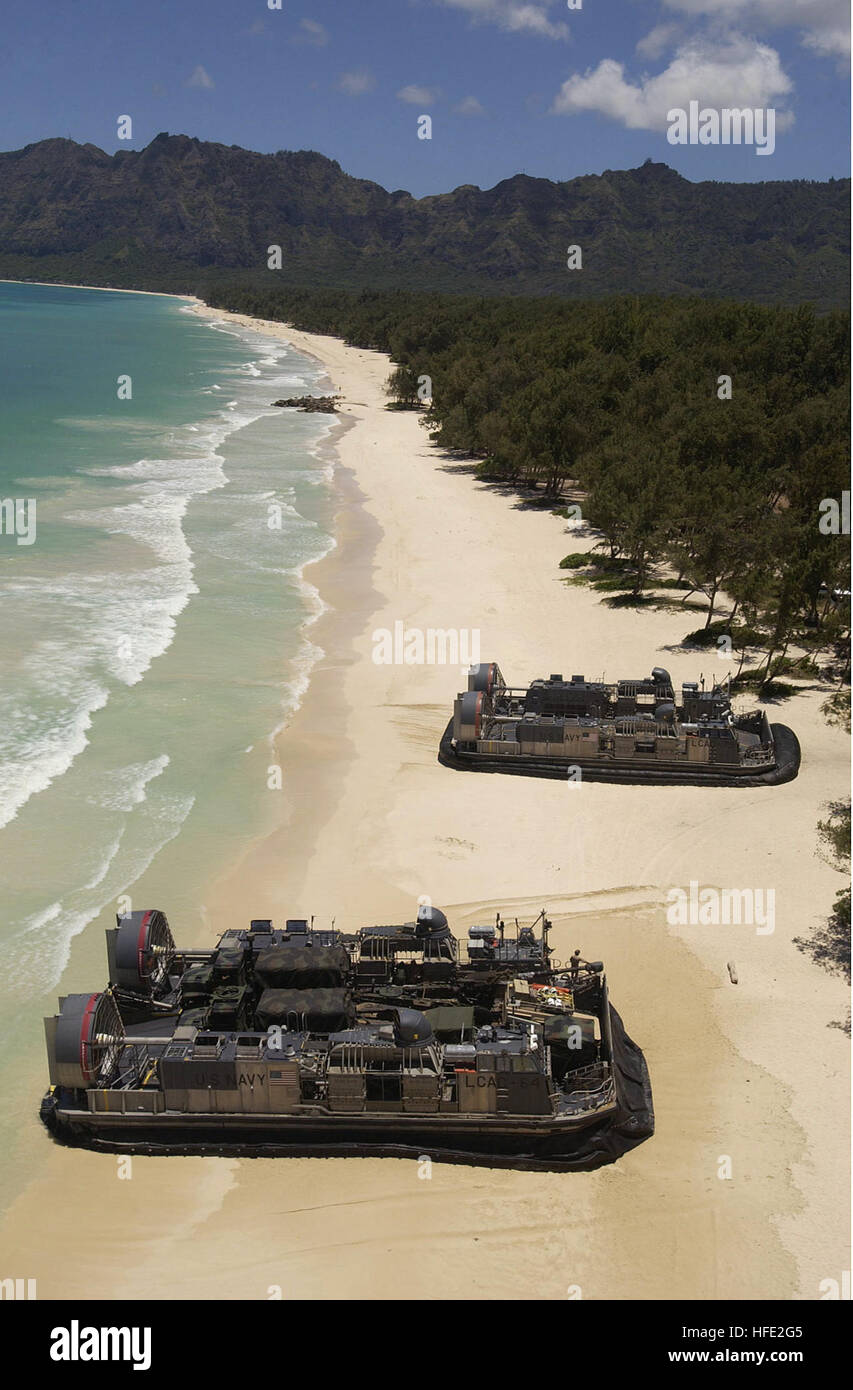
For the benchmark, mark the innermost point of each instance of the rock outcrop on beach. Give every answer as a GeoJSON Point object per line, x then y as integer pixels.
{"type": "Point", "coordinates": [184, 214]}
{"type": "Point", "coordinates": [325, 405]}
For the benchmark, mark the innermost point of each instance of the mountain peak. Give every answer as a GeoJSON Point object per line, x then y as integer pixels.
{"type": "Point", "coordinates": [650, 171]}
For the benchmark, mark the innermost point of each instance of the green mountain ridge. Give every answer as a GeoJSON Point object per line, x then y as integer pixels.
{"type": "Point", "coordinates": [183, 213]}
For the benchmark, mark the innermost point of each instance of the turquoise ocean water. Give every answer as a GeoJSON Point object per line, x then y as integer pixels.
{"type": "Point", "coordinates": [156, 633]}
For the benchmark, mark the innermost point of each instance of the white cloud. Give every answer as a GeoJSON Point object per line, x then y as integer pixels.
{"type": "Point", "coordinates": [733, 71]}
{"type": "Point", "coordinates": [200, 77]}
{"type": "Point", "coordinates": [516, 16]}
{"type": "Point", "coordinates": [312, 33]}
{"type": "Point", "coordinates": [829, 43]}
{"type": "Point", "coordinates": [662, 37]}
{"type": "Point", "coordinates": [470, 106]}
{"type": "Point", "coordinates": [418, 96]}
{"type": "Point", "coordinates": [824, 24]}
{"type": "Point", "coordinates": [355, 84]}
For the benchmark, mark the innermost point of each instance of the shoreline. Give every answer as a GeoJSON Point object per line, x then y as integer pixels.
{"type": "Point", "coordinates": [107, 289]}
{"type": "Point", "coordinates": [369, 820]}
{"type": "Point", "coordinates": [309, 745]}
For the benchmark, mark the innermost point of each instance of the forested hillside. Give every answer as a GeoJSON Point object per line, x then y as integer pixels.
{"type": "Point", "coordinates": [182, 214]}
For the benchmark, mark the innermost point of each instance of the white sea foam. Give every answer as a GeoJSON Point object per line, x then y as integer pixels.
{"type": "Point", "coordinates": [33, 753]}
{"type": "Point", "coordinates": [100, 874]}
{"type": "Point", "coordinates": [309, 652]}
{"type": "Point", "coordinates": [36, 949]}
{"type": "Point", "coordinates": [116, 624]}
{"type": "Point", "coordinates": [40, 919]}
{"type": "Point", "coordinates": [314, 601]}
{"type": "Point", "coordinates": [317, 477]}
{"type": "Point", "coordinates": [122, 788]}
{"type": "Point", "coordinates": [155, 520]}
{"type": "Point", "coordinates": [293, 690]}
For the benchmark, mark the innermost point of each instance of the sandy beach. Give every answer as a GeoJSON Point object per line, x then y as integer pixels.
{"type": "Point", "coordinates": [753, 1072]}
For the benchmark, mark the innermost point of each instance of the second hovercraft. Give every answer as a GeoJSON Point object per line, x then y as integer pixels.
{"type": "Point", "coordinates": [629, 731]}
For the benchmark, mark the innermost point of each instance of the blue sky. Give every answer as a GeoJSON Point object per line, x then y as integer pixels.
{"type": "Point", "coordinates": [510, 85]}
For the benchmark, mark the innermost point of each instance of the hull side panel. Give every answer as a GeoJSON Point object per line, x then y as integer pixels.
{"type": "Point", "coordinates": [509, 1143]}
{"type": "Point", "coordinates": [785, 769]}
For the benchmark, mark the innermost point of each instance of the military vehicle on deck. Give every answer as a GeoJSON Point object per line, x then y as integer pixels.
{"type": "Point", "coordinates": [396, 1039]}
{"type": "Point", "coordinates": [630, 731]}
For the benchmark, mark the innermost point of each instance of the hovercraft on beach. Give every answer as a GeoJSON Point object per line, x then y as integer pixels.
{"type": "Point", "coordinates": [633, 731]}
{"type": "Point", "coordinates": [395, 1040]}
